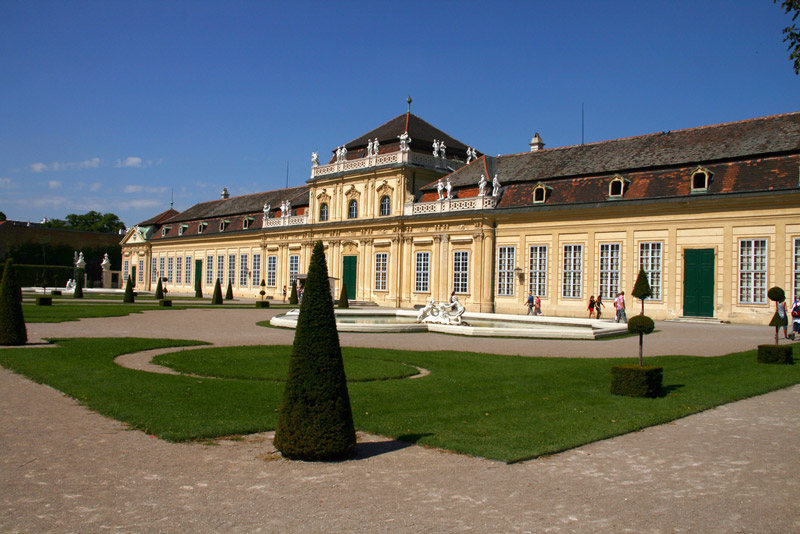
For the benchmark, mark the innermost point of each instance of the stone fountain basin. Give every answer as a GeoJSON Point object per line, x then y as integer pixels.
{"type": "Point", "coordinates": [389, 320]}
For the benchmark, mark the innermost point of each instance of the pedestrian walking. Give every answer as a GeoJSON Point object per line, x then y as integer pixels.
{"type": "Point", "coordinates": [591, 306]}
{"type": "Point", "coordinates": [284, 294]}
{"type": "Point", "coordinates": [530, 304]}
{"type": "Point", "coordinates": [619, 305]}
{"type": "Point", "coordinates": [537, 306]}
{"type": "Point", "coordinates": [598, 303]}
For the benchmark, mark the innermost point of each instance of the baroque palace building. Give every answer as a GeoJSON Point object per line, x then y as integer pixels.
{"type": "Point", "coordinates": [408, 213]}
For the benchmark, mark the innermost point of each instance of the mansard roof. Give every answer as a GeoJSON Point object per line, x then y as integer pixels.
{"type": "Point", "coordinates": [722, 142]}
{"type": "Point", "coordinates": [160, 218]}
{"type": "Point", "coordinates": [253, 203]}
{"type": "Point", "coordinates": [422, 135]}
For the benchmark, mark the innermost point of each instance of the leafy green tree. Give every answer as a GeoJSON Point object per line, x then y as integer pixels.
{"type": "Point", "coordinates": [293, 296]}
{"type": "Point", "coordinates": [128, 291]}
{"type": "Point", "coordinates": [216, 298]}
{"type": "Point", "coordinates": [78, 294]}
{"type": "Point", "coordinates": [2, 216]}
{"type": "Point", "coordinates": [316, 420]}
{"type": "Point", "coordinates": [641, 289]}
{"type": "Point", "coordinates": [12, 321]}
{"type": "Point", "coordinates": [791, 34]}
{"type": "Point", "coordinates": [92, 221]}
{"type": "Point", "coordinates": [776, 294]}
{"type": "Point", "coordinates": [159, 290]}
{"type": "Point", "coordinates": [229, 291]}
{"type": "Point", "coordinates": [343, 302]}
{"type": "Point", "coordinates": [641, 324]}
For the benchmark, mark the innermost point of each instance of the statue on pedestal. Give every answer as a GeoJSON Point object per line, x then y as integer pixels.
{"type": "Point", "coordinates": [482, 186]}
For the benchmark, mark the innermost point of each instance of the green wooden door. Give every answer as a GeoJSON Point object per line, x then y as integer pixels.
{"type": "Point", "coordinates": [698, 282]}
{"type": "Point", "coordinates": [198, 274]}
{"type": "Point", "coordinates": [349, 264]}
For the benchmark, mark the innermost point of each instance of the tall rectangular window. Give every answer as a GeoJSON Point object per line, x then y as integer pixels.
{"type": "Point", "coordinates": [650, 260]}
{"type": "Point", "coordinates": [796, 292]}
{"type": "Point", "coordinates": [506, 260]}
{"type": "Point", "coordinates": [209, 270]}
{"type": "Point", "coordinates": [256, 269]}
{"type": "Point", "coordinates": [178, 270]}
{"type": "Point", "coordinates": [381, 269]}
{"type": "Point", "coordinates": [422, 276]}
{"type": "Point", "coordinates": [141, 271]}
{"type": "Point", "coordinates": [461, 271]}
{"type": "Point", "coordinates": [221, 268]}
{"type": "Point", "coordinates": [609, 270]}
{"type": "Point", "coordinates": [294, 268]}
{"type": "Point", "coordinates": [153, 271]}
{"type": "Point", "coordinates": [753, 271]}
{"type": "Point", "coordinates": [188, 279]}
{"type": "Point", "coordinates": [125, 267]}
{"type": "Point", "coordinates": [170, 268]}
{"type": "Point", "coordinates": [243, 270]}
{"type": "Point", "coordinates": [161, 267]}
{"type": "Point", "coordinates": [537, 279]}
{"type": "Point", "coordinates": [272, 270]}
{"type": "Point", "coordinates": [232, 269]}
{"type": "Point", "coordinates": [572, 272]}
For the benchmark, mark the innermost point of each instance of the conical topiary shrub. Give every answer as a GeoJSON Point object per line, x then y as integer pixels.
{"type": "Point", "coordinates": [198, 288]}
{"type": "Point", "coordinates": [316, 421]}
{"type": "Point", "coordinates": [343, 302]}
{"type": "Point", "coordinates": [128, 291]}
{"type": "Point", "coordinates": [78, 294]}
{"type": "Point", "coordinates": [229, 292]}
{"type": "Point", "coordinates": [12, 321]}
{"type": "Point", "coordinates": [293, 296]}
{"type": "Point", "coordinates": [159, 290]}
{"type": "Point", "coordinates": [642, 289]}
{"type": "Point", "coordinates": [216, 298]}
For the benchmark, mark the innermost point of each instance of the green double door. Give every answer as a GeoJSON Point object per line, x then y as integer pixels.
{"type": "Point", "coordinates": [698, 285]}
{"type": "Point", "coordinates": [349, 265]}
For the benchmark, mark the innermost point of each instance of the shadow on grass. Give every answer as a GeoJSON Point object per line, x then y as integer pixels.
{"type": "Point", "coordinates": [362, 451]}
{"type": "Point", "coordinates": [666, 390]}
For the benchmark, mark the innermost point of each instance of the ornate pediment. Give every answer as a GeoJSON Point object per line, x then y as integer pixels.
{"type": "Point", "coordinates": [352, 193]}
{"type": "Point", "coordinates": [385, 189]}
{"type": "Point", "coordinates": [323, 196]}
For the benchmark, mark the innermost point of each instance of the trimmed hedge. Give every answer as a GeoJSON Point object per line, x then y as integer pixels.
{"type": "Point", "coordinates": [165, 303]}
{"type": "Point", "coordinates": [636, 381]}
{"type": "Point", "coordinates": [159, 290]}
{"type": "Point", "coordinates": [129, 294]}
{"type": "Point", "coordinates": [775, 354]}
{"type": "Point", "coordinates": [12, 319]}
{"type": "Point", "coordinates": [216, 298]}
{"type": "Point", "coordinates": [229, 292]}
{"type": "Point", "coordinates": [44, 301]}
{"type": "Point", "coordinates": [343, 302]}
{"type": "Point", "coordinates": [31, 275]}
{"type": "Point", "coordinates": [262, 304]}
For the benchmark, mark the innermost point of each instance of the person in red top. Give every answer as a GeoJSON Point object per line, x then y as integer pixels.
{"type": "Point", "coordinates": [619, 305]}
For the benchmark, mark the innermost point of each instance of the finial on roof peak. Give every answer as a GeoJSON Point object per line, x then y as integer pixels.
{"type": "Point", "coordinates": [408, 100]}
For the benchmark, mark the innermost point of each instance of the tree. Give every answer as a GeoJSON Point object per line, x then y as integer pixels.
{"type": "Point", "coordinates": [343, 302]}
{"type": "Point", "coordinates": [128, 291]}
{"type": "Point", "coordinates": [792, 33]}
{"type": "Point", "coordinates": [78, 293]}
{"type": "Point", "coordinates": [216, 298]}
{"type": "Point", "coordinates": [293, 296]}
{"type": "Point", "coordinates": [198, 288]}
{"type": "Point", "coordinates": [641, 289]}
{"type": "Point", "coordinates": [776, 294]}
{"type": "Point", "coordinates": [92, 221]}
{"type": "Point", "coordinates": [316, 421]}
{"type": "Point", "coordinates": [2, 216]}
{"type": "Point", "coordinates": [159, 290]}
{"type": "Point", "coordinates": [641, 324]}
{"type": "Point", "coordinates": [12, 321]}
{"type": "Point", "coordinates": [229, 291]}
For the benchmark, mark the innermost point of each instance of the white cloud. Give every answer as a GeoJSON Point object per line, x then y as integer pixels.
{"type": "Point", "coordinates": [131, 161]}
{"type": "Point", "coordinates": [53, 184]}
{"type": "Point", "coordinates": [141, 203]}
{"type": "Point", "coordinates": [96, 186]}
{"type": "Point", "coordinates": [141, 188]}
{"type": "Point", "coordinates": [93, 163]}
{"type": "Point", "coordinates": [5, 182]}
{"type": "Point", "coordinates": [38, 167]}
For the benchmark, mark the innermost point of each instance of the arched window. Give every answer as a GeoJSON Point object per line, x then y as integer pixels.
{"type": "Point", "coordinates": [323, 211]}
{"type": "Point", "coordinates": [385, 206]}
{"type": "Point", "coordinates": [617, 186]}
{"type": "Point", "coordinates": [540, 193]}
{"type": "Point", "coordinates": [352, 209]}
{"type": "Point", "coordinates": [700, 181]}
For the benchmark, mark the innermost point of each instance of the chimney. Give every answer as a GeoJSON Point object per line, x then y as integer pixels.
{"type": "Point", "coordinates": [536, 143]}
{"type": "Point", "coordinates": [225, 195]}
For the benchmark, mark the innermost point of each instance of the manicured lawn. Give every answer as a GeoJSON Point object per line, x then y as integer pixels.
{"type": "Point", "coordinates": [72, 310]}
{"type": "Point", "coordinates": [502, 407]}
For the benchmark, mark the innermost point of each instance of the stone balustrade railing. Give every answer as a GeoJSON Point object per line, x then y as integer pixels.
{"type": "Point", "coordinates": [447, 205]}
{"type": "Point", "coordinates": [292, 220]}
{"type": "Point", "coordinates": [386, 159]}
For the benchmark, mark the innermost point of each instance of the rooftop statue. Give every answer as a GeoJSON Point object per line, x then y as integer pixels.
{"type": "Point", "coordinates": [482, 186]}
{"type": "Point", "coordinates": [435, 148]}
{"type": "Point", "coordinates": [471, 154]}
{"type": "Point", "coordinates": [405, 140]}
{"type": "Point", "coordinates": [369, 149]}
{"type": "Point", "coordinates": [449, 188]}
{"type": "Point", "coordinates": [314, 159]}
{"type": "Point", "coordinates": [495, 186]}
{"type": "Point", "coordinates": [440, 189]}
{"type": "Point", "coordinates": [442, 149]}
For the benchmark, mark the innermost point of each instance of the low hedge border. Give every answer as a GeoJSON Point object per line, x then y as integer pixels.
{"type": "Point", "coordinates": [165, 303]}
{"type": "Point", "coordinates": [44, 301]}
{"type": "Point", "coordinates": [632, 380]}
{"type": "Point", "coordinates": [262, 304]}
{"type": "Point", "coordinates": [775, 354]}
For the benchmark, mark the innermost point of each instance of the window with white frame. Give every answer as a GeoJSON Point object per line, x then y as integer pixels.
{"type": "Point", "coordinates": [506, 260]}
{"type": "Point", "coordinates": [752, 271]}
{"type": "Point", "coordinates": [178, 269]}
{"type": "Point", "coordinates": [272, 271]}
{"type": "Point", "coordinates": [572, 272]}
{"type": "Point", "coordinates": [256, 269]}
{"type": "Point", "coordinates": [461, 271]}
{"type": "Point", "coordinates": [796, 269]}
{"type": "Point", "coordinates": [352, 209]}
{"type": "Point", "coordinates": [188, 279]}
{"type": "Point", "coordinates": [209, 270]}
{"type": "Point", "coordinates": [323, 212]}
{"type": "Point", "coordinates": [220, 268]}
{"type": "Point", "coordinates": [294, 268]}
{"type": "Point", "coordinates": [153, 271]}
{"type": "Point", "coordinates": [141, 271]}
{"type": "Point", "coordinates": [650, 258]}
{"type": "Point", "coordinates": [422, 275]}
{"type": "Point", "coordinates": [537, 278]}
{"type": "Point", "coordinates": [609, 270]}
{"type": "Point", "coordinates": [381, 270]}
{"type": "Point", "coordinates": [243, 270]}
{"type": "Point", "coordinates": [170, 268]}
{"type": "Point", "coordinates": [161, 267]}
{"type": "Point", "coordinates": [386, 206]}
{"type": "Point", "coordinates": [232, 269]}
{"type": "Point", "coordinates": [125, 267]}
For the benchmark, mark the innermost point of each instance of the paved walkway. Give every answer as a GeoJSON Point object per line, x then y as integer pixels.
{"type": "Point", "coordinates": [66, 469]}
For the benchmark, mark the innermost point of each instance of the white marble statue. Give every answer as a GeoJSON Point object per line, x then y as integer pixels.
{"type": "Point", "coordinates": [482, 186]}
{"type": "Point", "coordinates": [495, 186]}
{"type": "Point", "coordinates": [442, 148]}
{"type": "Point", "coordinates": [375, 146]}
{"type": "Point", "coordinates": [314, 159]}
{"type": "Point", "coordinates": [344, 153]}
{"type": "Point", "coordinates": [449, 188]}
{"type": "Point", "coordinates": [435, 148]}
{"type": "Point", "coordinates": [283, 208]}
{"type": "Point", "coordinates": [266, 213]}
{"type": "Point", "coordinates": [442, 313]}
{"type": "Point", "coordinates": [405, 140]}
{"type": "Point", "coordinates": [340, 154]}
{"type": "Point", "coordinates": [369, 149]}
{"type": "Point", "coordinates": [471, 155]}
{"type": "Point", "coordinates": [288, 208]}
{"type": "Point", "coordinates": [429, 309]}
{"type": "Point", "coordinates": [106, 263]}
{"type": "Point", "coordinates": [440, 189]}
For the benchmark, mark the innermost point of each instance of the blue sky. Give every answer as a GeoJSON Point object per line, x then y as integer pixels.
{"type": "Point", "coordinates": [109, 106]}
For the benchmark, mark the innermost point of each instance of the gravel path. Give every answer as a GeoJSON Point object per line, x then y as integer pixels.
{"type": "Point", "coordinates": [66, 469]}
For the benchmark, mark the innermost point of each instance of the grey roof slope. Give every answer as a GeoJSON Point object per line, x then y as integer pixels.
{"type": "Point", "coordinates": [761, 136]}
{"type": "Point", "coordinates": [252, 203]}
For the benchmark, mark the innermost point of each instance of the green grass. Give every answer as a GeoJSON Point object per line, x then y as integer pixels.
{"type": "Point", "coordinates": [508, 408]}
{"type": "Point", "coordinates": [60, 312]}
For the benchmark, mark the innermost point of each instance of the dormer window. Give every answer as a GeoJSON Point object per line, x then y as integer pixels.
{"type": "Point", "coordinates": [201, 227]}
{"type": "Point", "coordinates": [223, 224]}
{"type": "Point", "coordinates": [540, 193]}
{"type": "Point", "coordinates": [617, 187]}
{"type": "Point", "coordinates": [181, 228]}
{"type": "Point", "coordinates": [701, 179]}
{"type": "Point", "coordinates": [246, 222]}
{"type": "Point", "coordinates": [164, 231]}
